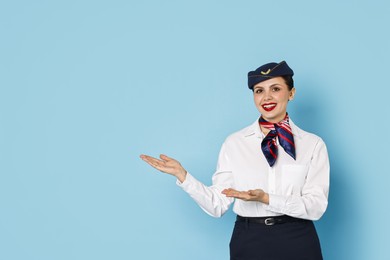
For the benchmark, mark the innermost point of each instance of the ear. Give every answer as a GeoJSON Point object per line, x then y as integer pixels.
{"type": "Point", "coordinates": [292, 94]}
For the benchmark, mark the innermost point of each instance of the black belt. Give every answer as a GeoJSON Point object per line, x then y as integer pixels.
{"type": "Point", "coordinates": [269, 221]}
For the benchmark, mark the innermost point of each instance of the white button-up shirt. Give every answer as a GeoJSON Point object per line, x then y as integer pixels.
{"type": "Point", "coordinates": [298, 188]}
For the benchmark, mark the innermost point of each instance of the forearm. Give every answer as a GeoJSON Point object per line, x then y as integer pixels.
{"type": "Point", "coordinates": [308, 206]}
{"type": "Point", "coordinates": [210, 199]}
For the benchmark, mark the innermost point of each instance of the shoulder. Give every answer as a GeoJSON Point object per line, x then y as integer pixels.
{"type": "Point", "coordinates": [242, 134]}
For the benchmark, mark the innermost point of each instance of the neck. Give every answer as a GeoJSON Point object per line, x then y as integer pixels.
{"type": "Point", "coordinates": [266, 125]}
{"type": "Point", "coordinates": [264, 130]}
{"type": "Point", "coordinates": [276, 120]}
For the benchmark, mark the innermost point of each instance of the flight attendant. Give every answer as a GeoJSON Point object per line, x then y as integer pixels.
{"type": "Point", "coordinates": [276, 174]}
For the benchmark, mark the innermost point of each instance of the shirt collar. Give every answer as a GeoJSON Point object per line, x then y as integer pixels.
{"type": "Point", "coordinates": [254, 130]}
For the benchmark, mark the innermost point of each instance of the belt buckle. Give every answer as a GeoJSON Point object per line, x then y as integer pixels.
{"type": "Point", "coordinates": [269, 221]}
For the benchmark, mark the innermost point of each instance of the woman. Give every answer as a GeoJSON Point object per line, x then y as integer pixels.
{"type": "Point", "coordinates": [276, 174]}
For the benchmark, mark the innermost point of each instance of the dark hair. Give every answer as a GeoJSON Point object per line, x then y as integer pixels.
{"type": "Point", "coordinates": [289, 81]}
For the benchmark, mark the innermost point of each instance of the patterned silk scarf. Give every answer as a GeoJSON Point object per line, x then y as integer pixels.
{"type": "Point", "coordinates": [282, 130]}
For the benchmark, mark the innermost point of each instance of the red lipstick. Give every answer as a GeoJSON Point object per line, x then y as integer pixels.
{"type": "Point", "coordinates": [269, 106]}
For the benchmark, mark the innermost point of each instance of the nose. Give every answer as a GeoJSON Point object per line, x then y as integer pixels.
{"type": "Point", "coordinates": [267, 95]}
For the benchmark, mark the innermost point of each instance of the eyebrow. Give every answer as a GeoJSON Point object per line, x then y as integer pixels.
{"type": "Point", "coordinates": [273, 85]}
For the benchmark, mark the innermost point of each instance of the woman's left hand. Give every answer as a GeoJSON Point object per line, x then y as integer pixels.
{"type": "Point", "coordinates": [250, 195]}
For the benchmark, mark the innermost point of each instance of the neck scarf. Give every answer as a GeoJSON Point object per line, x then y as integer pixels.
{"type": "Point", "coordinates": [282, 130]}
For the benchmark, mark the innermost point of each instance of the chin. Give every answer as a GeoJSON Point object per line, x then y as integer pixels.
{"type": "Point", "coordinates": [272, 116]}
{"type": "Point", "coordinates": [267, 114]}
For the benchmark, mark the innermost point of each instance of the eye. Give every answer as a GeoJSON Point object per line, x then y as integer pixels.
{"type": "Point", "coordinates": [275, 89]}
{"type": "Point", "coordinates": [258, 91]}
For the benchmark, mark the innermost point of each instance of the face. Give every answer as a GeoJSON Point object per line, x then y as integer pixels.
{"type": "Point", "coordinates": [271, 97]}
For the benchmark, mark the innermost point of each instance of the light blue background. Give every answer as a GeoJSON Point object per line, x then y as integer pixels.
{"type": "Point", "coordinates": [87, 86]}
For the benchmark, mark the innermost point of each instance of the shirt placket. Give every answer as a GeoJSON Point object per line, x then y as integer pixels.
{"type": "Point", "coordinates": [271, 180]}
{"type": "Point", "coordinates": [271, 175]}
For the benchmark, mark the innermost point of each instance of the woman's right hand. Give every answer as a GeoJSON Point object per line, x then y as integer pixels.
{"type": "Point", "coordinates": [167, 165]}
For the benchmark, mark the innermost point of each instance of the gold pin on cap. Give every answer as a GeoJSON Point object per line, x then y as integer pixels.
{"type": "Point", "coordinates": [265, 73]}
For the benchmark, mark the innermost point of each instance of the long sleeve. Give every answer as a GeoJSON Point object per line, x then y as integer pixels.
{"type": "Point", "coordinates": [210, 198]}
{"type": "Point", "coordinates": [312, 201]}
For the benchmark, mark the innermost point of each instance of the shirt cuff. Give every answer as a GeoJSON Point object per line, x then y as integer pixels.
{"type": "Point", "coordinates": [276, 203]}
{"type": "Point", "coordinates": [187, 183]}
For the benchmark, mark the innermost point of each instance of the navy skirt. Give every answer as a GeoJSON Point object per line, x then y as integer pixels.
{"type": "Point", "coordinates": [287, 241]}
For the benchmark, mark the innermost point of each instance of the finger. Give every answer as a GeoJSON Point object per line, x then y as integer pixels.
{"type": "Point", "coordinates": [234, 193]}
{"type": "Point", "coordinates": [228, 191]}
{"type": "Point", "coordinates": [252, 192]}
{"type": "Point", "coordinates": [143, 156]}
{"type": "Point", "coordinates": [244, 195]}
{"type": "Point", "coordinates": [257, 192]}
{"type": "Point", "coordinates": [166, 158]}
{"type": "Point", "coordinates": [150, 158]}
{"type": "Point", "coordinates": [160, 166]}
{"type": "Point", "coordinates": [153, 161]}
{"type": "Point", "coordinates": [147, 157]}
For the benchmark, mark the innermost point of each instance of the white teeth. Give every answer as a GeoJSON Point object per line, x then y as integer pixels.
{"type": "Point", "coordinates": [269, 106]}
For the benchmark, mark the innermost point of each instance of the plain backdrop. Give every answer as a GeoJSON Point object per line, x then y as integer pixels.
{"type": "Point", "coordinates": [87, 86]}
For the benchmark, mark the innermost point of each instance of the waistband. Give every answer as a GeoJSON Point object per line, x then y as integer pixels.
{"type": "Point", "coordinates": [269, 221]}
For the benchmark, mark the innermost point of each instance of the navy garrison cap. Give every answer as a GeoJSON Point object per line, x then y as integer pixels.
{"type": "Point", "coordinates": [267, 71]}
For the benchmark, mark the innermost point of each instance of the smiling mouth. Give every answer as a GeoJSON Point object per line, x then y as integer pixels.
{"type": "Point", "coordinates": [269, 107]}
